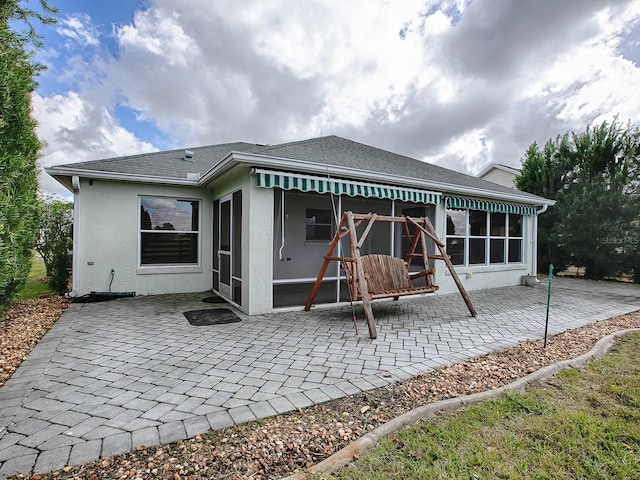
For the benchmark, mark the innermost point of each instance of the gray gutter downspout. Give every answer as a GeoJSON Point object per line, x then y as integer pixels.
{"type": "Point", "coordinates": [75, 262]}
{"type": "Point", "coordinates": [534, 253]}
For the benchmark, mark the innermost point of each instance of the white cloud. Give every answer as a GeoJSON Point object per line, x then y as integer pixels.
{"type": "Point", "coordinates": [469, 152]}
{"type": "Point", "coordinates": [592, 81]}
{"type": "Point", "coordinates": [78, 30]}
{"type": "Point", "coordinates": [228, 73]}
{"type": "Point", "coordinates": [74, 130]}
{"type": "Point", "coordinates": [423, 78]}
{"type": "Point", "coordinates": [524, 72]}
{"type": "Point", "coordinates": [157, 36]}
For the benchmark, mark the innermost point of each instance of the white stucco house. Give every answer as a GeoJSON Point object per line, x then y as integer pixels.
{"type": "Point", "coordinates": [252, 222]}
{"type": "Point", "coordinates": [500, 174]}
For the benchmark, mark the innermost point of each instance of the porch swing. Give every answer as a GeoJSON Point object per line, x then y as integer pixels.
{"type": "Point", "coordinates": [374, 276]}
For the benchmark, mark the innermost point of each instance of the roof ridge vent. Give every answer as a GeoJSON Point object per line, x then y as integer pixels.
{"type": "Point", "coordinates": [188, 155]}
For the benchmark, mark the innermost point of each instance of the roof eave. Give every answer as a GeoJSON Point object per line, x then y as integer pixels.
{"type": "Point", "coordinates": [497, 166]}
{"type": "Point", "coordinates": [234, 158]}
{"type": "Point", "coordinates": [125, 177]}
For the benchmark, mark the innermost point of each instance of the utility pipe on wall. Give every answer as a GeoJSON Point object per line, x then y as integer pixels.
{"type": "Point", "coordinates": [282, 219]}
{"type": "Point", "coordinates": [75, 260]}
{"type": "Point", "coordinates": [534, 253]}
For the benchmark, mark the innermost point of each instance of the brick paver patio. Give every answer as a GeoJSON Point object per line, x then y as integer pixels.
{"type": "Point", "coordinates": [111, 376]}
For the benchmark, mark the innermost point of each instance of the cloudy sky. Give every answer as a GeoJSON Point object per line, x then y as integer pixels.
{"type": "Point", "coordinates": [459, 83]}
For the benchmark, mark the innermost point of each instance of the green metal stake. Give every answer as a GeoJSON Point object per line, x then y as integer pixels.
{"type": "Point", "coordinates": [546, 324]}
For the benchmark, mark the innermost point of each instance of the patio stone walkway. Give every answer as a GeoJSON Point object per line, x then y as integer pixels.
{"type": "Point", "coordinates": [111, 376]}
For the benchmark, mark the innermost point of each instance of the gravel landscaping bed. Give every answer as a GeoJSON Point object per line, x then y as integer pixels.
{"type": "Point", "coordinates": [281, 445]}
{"type": "Point", "coordinates": [25, 324]}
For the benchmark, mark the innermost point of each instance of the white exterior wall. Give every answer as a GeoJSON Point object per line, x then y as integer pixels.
{"type": "Point", "coordinates": [500, 177]}
{"type": "Point", "coordinates": [479, 277]}
{"type": "Point", "coordinates": [257, 247]}
{"type": "Point", "coordinates": [108, 237]}
{"type": "Point", "coordinates": [257, 241]}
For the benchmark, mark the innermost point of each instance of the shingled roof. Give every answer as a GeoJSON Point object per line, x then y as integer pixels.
{"type": "Point", "coordinates": [167, 164]}
{"type": "Point", "coordinates": [330, 151]}
{"type": "Point", "coordinates": [341, 152]}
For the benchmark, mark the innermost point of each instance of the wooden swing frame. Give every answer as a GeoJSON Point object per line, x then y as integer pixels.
{"type": "Point", "coordinates": [382, 276]}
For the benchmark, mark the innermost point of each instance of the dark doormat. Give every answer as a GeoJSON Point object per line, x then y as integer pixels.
{"type": "Point", "coordinates": [213, 316]}
{"type": "Point", "coordinates": [214, 299]}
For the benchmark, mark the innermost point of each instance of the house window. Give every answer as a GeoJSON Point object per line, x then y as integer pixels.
{"type": "Point", "coordinates": [514, 238]}
{"type": "Point", "coordinates": [457, 235]}
{"type": "Point", "coordinates": [169, 230]}
{"type": "Point", "coordinates": [497, 234]}
{"type": "Point", "coordinates": [319, 226]}
{"type": "Point", "coordinates": [476, 237]}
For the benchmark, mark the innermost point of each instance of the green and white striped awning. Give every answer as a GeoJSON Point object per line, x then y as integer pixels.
{"type": "Point", "coordinates": [337, 186]}
{"type": "Point", "coordinates": [490, 206]}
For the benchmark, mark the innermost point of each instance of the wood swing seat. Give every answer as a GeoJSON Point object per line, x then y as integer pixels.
{"type": "Point", "coordinates": [388, 277]}
{"type": "Point", "coordinates": [375, 276]}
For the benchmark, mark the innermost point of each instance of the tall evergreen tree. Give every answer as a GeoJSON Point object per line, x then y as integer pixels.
{"type": "Point", "coordinates": [545, 172]}
{"type": "Point", "coordinates": [593, 176]}
{"type": "Point", "coordinates": [19, 147]}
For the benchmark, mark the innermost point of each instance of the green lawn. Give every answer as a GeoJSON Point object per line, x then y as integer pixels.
{"type": "Point", "coordinates": [579, 424]}
{"type": "Point", "coordinates": [34, 289]}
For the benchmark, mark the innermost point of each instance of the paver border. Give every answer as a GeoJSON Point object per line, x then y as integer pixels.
{"type": "Point", "coordinates": [368, 441]}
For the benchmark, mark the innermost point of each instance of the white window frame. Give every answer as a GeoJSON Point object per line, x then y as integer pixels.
{"type": "Point", "coordinates": [487, 237]}
{"type": "Point", "coordinates": [152, 267]}
{"type": "Point", "coordinates": [317, 224]}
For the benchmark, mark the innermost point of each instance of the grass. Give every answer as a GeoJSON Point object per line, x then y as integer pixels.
{"type": "Point", "coordinates": [579, 424]}
{"type": "Point", "coordinates": [35, 288]}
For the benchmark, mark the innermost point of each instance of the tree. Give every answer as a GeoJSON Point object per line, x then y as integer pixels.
{"type": "Point", "coordinates": [593, 176]}
{"type": "Point", "coordinates": [545, 173]}
{"type": "Point", "coordinates": [17, 12]}
{"type": "Point", "coordinates": [54, 236]}
{"type": "Point", "coordinates": [55, 240]}
{"type": "Point", "coordinates": [19, 147]}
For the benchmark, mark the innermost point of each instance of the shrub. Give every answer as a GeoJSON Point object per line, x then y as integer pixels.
{"type": "Point", "coordinates": [59, 274]}
{"type": "Point", "coordinates": [19, 148]}
{"type": "Point", "coordinates": [54, 235]}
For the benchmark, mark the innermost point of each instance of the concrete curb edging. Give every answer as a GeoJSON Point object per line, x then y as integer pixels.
{"type": "Point", "coordinates": [365, 443]}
